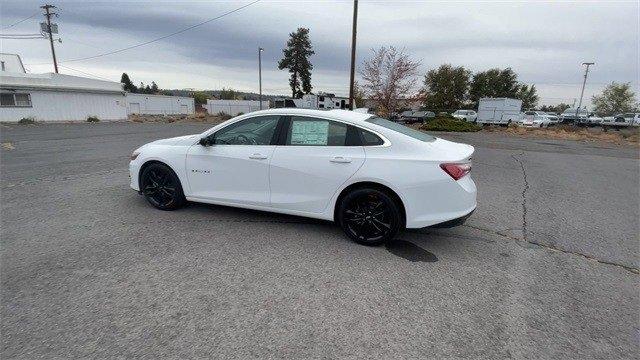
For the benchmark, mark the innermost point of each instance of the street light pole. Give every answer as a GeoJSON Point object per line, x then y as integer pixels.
{"type": "Point", "coordinates": [353, 54]}
{"type": "Point", "coordinates": [584, 82]}
{"type": "Point", "coordinates": [260, 50]}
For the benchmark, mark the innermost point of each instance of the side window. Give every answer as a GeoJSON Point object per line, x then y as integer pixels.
{"type": "Point", "coordinates": [253, 131]}
{"type": "Point", "coordinates": [369, 139]}
{"type": "Point", "coordinates": [307, 131]}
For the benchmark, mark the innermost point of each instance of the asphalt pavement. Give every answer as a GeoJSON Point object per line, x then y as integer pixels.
{"type": "Point", "coordinates": [547, 266]}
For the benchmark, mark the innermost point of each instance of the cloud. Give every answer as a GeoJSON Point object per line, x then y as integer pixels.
{"type": "Point", "coordinates": [544, 42]}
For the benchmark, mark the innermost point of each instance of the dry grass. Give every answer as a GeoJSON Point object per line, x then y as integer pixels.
{"type": "Point", "coordinates": [198, 117]}
{"type": "Point", "coordinates": [627, 136]}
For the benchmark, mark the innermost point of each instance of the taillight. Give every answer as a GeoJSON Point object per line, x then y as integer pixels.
{"type": "Point", "coordinates": [456, 170]}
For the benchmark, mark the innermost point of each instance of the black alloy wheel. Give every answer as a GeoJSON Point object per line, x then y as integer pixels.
{"type": "Point", "coordinates": [161, 187]}
{"type": "Point", "coordinates": [369, 216]}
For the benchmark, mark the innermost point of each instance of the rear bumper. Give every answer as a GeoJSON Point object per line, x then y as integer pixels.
{"type": "Point", "coordinates": [439, 202]}
{"type": "Point", "coordinates": [454, 222]}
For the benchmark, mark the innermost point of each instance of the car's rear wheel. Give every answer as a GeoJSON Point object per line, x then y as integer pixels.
{"type": "Point", "coordinates": [161, 187]}
{"type": "Point", "coordinates": [369, 216]}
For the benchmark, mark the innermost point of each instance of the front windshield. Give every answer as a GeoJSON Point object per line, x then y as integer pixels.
{"type": "Point", "coordinates": [419, 135]}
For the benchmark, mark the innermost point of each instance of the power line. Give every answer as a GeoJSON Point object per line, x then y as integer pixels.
{"type": "Point", "coordinates": [163, 37]}
{"type": "Point", "coordinates": [21, 21]}
{"type": "Point", "coordinates": [85, 73]}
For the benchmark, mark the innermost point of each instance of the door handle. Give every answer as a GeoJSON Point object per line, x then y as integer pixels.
{"type": "Point", "coordinates": [340, 160]}
{"type": "Point", "coordinates": [258, 156]}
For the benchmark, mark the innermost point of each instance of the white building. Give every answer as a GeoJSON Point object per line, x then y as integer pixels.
{"type": "Point", "coordinates": [159, 104]}
{"type": "Point", "coordinates": [56, 97]}
{"type": "Point", "coordinates": [235, 107]}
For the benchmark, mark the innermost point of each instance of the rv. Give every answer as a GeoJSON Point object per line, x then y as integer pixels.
{"type": "Point", "coordinates": [502, 111]}
{"type": "Point", "coordinates": [313, 101]}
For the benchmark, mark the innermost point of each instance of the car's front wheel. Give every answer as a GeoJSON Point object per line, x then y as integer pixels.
{"type": "Point", "coordinates": [369, 216]}
{"type": "Point", "coordinates": [161, 187]}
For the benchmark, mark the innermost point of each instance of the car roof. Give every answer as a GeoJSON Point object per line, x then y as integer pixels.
{"type": "Point", "coordinates": [336, 114]}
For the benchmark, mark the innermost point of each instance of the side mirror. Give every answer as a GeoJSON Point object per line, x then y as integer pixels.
{"type": "Point", "coordinates": [205, 141]}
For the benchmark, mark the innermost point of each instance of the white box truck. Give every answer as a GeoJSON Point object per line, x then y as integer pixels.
{"type": "Point", "coordinates": [499, 111]}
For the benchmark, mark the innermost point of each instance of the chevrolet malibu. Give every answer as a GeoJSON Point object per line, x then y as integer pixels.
{"type": "Point", "coordinates": [372, 176]}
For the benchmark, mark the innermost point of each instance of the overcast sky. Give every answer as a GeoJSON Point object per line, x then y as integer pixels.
{"type": "Point", "coordinates": [543, 41]}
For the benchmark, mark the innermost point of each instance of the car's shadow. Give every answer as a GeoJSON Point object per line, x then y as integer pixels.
{"type": "Point", "coordinates": [410, 244]}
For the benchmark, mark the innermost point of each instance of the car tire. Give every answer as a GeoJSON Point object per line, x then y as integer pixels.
{"type": "Point", "coordinates": [161, 187]}
{"type": "Point", "coordinates": [369, 216]}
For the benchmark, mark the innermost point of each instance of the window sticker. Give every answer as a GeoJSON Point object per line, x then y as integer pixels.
{"type": "Point", "coordinates": [309, 132]}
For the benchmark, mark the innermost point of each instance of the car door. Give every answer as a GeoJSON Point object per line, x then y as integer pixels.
{"type": "Point", "coordinates": [316, 158]}
{"type": "Point", "coordinates": [234, 166]}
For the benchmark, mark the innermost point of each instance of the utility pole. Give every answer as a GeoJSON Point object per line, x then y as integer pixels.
{"type": "Point", "coordinates": [584, 82]}
{"type": "Point", "coordinates": [260, 50]}
{"type": "Point", "coordinates": [48, 15]}
{"type": "Point", "coordinates": [353, 55]}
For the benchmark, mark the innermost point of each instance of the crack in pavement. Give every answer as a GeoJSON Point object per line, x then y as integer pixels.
{"type": "Point", "coordinates": [525, 231]}
{"type": "Point", "coordinates": [524, 195]}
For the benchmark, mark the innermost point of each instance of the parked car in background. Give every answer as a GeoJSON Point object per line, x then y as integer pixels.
{"type": "Point", "coordinates": [569, 116]}
{"type": "Point", "coordinates": [355, 169]}
{"type": "Point", "coordinates": [553, 117]}
{"type": "Point", "coordinates": [403, 115]}
{"type": "Point", "coordinates": [622, 120]}
{"type": "Point", "coordinates": [419, 117]}
{"type": "Point", "coordinates": [539, 119]}
{"type": "Point", "coordinates": [466, 115]}
{"type": "Point", "coordinates": [593, 120]}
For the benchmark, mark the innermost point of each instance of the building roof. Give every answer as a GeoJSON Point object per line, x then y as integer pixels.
{"type": "Point", "coordinates": [56, 82]}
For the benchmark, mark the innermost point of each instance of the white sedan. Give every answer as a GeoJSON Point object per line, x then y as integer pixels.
{"type": "Point", "coordinates": [536, 119]}
{"type": "Point", "coordinates": [370, 175]}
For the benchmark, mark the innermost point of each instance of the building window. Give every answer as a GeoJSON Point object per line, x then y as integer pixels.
{"type": "Point", "coordinates": [2, 65]}
{"type": "Point", "coordinates": [15, 100]}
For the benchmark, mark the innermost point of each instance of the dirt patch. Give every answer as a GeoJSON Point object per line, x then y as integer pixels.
{"type": "Point", "coordinates": [8, 146]}
{"type": "Point", "coordinates": [197, 118]}
{"type": "Point", "coordinates": [626, 136]}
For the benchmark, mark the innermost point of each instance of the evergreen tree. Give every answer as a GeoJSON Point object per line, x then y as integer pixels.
{"type": "Point", "coordinates": [296, 59]}
{"type": "Point", "coordinates": [128, 85]}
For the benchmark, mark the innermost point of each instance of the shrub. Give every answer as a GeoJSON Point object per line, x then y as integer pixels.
{"type": "Point", "coordinates": [240, 113]}
{"type": "Point", "coordinates": [445, 124]}
{"type": "Point", "coordinates": [223, 115]}
{"type": "Point", "coordinates": [27, 120]}
{"type": "Point", "coordinates": [93, 119]}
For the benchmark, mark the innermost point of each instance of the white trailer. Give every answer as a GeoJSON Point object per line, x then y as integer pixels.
{"type": "Point", "coordinates": [499, 111]}
{"type": "Point", "coordinates": [313, 101]}
{"type": "Point", "coordinates": [159, 104]}
{"type": "Point", "coordinates": [235, 107]}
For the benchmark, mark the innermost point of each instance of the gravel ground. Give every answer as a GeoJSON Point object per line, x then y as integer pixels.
{"type": "Point", "coordinates": [547, 267]}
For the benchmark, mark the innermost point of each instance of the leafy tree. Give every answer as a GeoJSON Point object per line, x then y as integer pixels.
{"type": "Point", "coordinates": [558, 109]}
{"type": "Point", "coordinates": [388, 77]}
{"type": "Point", "coordinates": [528, 95]}
{"type": "Point", "coordinates": [200, 97]}
{"type": "Point", "coordinates": [128, 85]}
{"type": "Point", "coordinates": [445, 88]}
{"type": "Point", "coordinates": [154, 87]}
{"type": "Point", "coordinates": [615, 98]}
{"type": "Point", "coordinates": [229, 94]}
{"type": "Point", "coordinates": [494, 83]}
{"type": "Point", "coordinates": [358, 95]}
{"type": "Point", "coordinates": [296, 59]}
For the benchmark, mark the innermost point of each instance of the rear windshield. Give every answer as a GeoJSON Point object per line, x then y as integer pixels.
{"type": "Point", "coordinates": [419, 135]}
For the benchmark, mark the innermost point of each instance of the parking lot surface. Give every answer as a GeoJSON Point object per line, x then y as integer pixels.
{"type": "Point", "coordinates": [547, 266]}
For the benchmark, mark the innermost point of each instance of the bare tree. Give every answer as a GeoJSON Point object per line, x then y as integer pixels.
{"type": "Point", "coordinates": [388, 76]}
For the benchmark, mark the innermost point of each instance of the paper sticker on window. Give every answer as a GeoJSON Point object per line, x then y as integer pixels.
{"type": "Point", "coordinates": [309, 132]}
